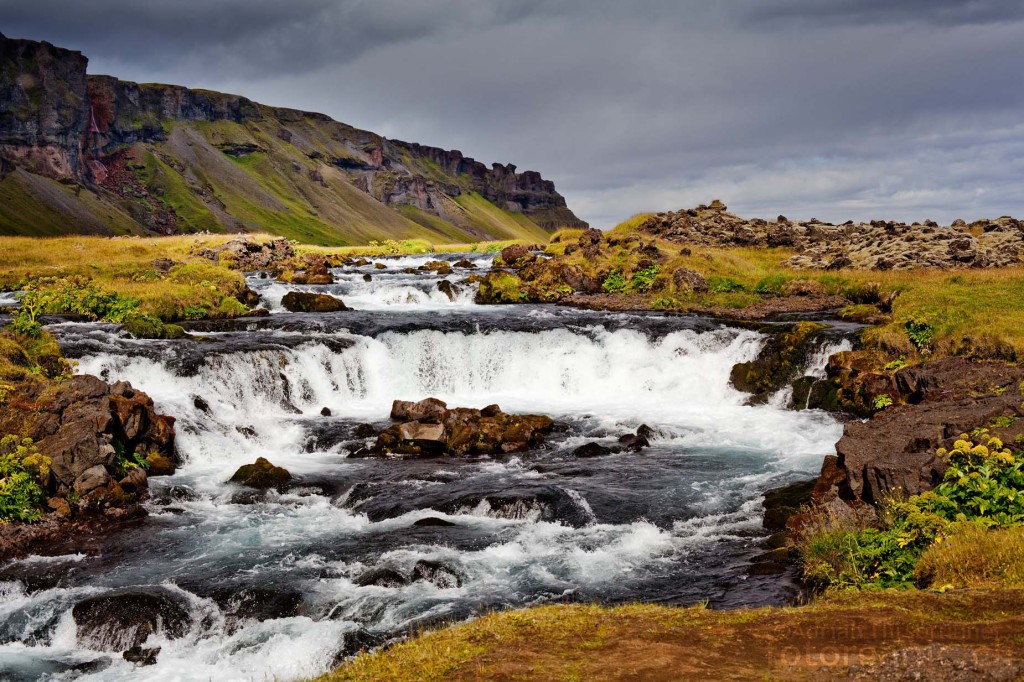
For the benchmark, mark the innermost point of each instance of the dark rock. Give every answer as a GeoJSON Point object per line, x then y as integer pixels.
{"type": "Point", "coordinates": [429, 438]}
{"type": "Point", "coordinates": [781, 503]}
{"type": "Point", "coordinates": [365, 431]}
{"type": "Point", "coordinates": [447, 288]}
{"type": "Point", "coordinates": [645, 431]}
{"type": "Point", "coordinates": [490, 411]}
{"type": "Point", "coordinates": [91, 479]}
{"type": "Point", "coordinates": [302, 302]}
{"type": "Point", "coordinates": [141, 656]}
{"type": "Point", "coordinates": [464, 263]}
{"type": "Point", "coordinates": [591, 450]}
{"type": "Point", "coordinates": [432, 522]}
{"type": "Point", "coordinates": [441, 267]}
{"type": "Point", "coordinates": [201, 404]}
{"type": "Point", "coordinates": [262, 603]}
{"type": "Point", "coordinates": [780, 358]}
{"type": "Point", "coordinates": [261, 475]}
{"type": "Point", "coordinates": [121, 619]}
{"type": "Point", "coordinates": [182, 493]}
{"type": "Point", "coordinates": [440, 575]}
{"type": "Point", "coordinates": [633, 442]}
{"type": "Point", "coordinates": [517, 255]}
{"type": "Point", "coordinates": [367, 277]}
{"type": "Point", "coordinates": [382, 577]}
{"type": "Point", "coordinates": [247, 431]}
{"type": "Point", "coordinates": [689, 280]}
{"type": "Point", "coordinates": [325, 412]}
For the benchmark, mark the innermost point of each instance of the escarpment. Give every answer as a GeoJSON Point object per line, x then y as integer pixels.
{"type": "Point", "coordinates": [155, 158]}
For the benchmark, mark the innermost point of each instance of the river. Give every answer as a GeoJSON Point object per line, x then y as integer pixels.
{"type": "Point", "coordinates": [277, 583]}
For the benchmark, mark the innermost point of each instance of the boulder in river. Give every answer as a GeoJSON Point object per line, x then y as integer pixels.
{"type": "Point", "coordinates": [429, 428]}
{"type": "Point", "coordinates": [591, 450]}
{"type": "Point", "coordinates": [261, 475]}
{"type": "Point", "coordinates": [437, 573]}
{"type": "Point", "coordinates": [303, 302]}
{"type": "Point", "coordinates": [121, 619]}
{"type": "Point", "coordinates": [517, 255]}
{"type": "Point", "coordinates": [441, 267]}
{"type": "Point", "coordinates": [426, 410]}
{"type": "Point", "coordinates": [141, 656]}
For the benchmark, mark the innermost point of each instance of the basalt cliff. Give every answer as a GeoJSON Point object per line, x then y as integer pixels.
{"type": "Point", "coordinates": [95, 154]}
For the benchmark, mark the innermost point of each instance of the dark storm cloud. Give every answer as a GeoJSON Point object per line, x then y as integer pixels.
{"type": "Point", "coordinates": [832, 109]}
{"type": "Point", "coordinates": [947, 12]}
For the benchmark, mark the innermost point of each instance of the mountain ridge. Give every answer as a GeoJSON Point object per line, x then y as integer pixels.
{"type": "Point", "coordinates": [96, 154]}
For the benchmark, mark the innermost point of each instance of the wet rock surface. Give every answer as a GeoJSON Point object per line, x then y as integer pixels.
{"type": "Point", "coordinates": [122, 619]}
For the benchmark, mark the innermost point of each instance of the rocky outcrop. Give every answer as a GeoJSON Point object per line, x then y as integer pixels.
{"type": "Point", "coordinates": [104, 442]}
{"type": "Point", "coordinates": [893, 453]}
{"type": "Point", "coordinates": [95, 434]}
{"type": "Point", "coordinates": [124, 112]}
{"type": "Point", "coordinates": [250, 254]}
{"type": "Point", "coordinates": [878, 245]}
{"type": "Point", "coordinates": [429, 428]}
{"type": "Point", "coordinates": [43, 108]}
{"type": "Point", "coordinates": [527, 192]}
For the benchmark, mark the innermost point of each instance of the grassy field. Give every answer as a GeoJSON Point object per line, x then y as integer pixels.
{"type": "Point", "coordinates": [815, 642]}
{"type": "Point", "coordinates": [965, 312]}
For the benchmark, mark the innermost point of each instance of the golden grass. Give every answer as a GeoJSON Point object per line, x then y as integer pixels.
{"type": "Point", "coordinates": [407, 247]}
{"type": "Point", "coordinates": [125, 265]}
{"type": "Point", "coordinates": [977, 313]}
{"type": "Point", "coordinates": [975, 556]}
{"type": "Point", "coordinates": [643, 641]}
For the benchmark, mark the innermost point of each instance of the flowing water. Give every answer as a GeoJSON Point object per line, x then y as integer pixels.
{"type": "Point", "coordinates": [676, 523]}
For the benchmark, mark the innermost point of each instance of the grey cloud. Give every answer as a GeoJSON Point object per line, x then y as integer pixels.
{"type": "Point", "coordinates": [833, 110]}
{"type": "Point", "coordinates": [942, 12]}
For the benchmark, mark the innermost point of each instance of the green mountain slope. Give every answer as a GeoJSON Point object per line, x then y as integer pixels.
{"type": "Point", "coordinates": [97, 155]}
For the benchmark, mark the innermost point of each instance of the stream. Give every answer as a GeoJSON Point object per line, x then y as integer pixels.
{"type": "Point", "coordinates": [280, 585]}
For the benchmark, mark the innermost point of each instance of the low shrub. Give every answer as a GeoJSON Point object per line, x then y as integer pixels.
{"type": "Point", "coordinates": [772, 285]}
{"type": "Point", "coordinates": [614, 283]}
{"type": "Point", "coordinates": [23, 474]}
{"type": "Point", "coordinates": [642, 280]}
{"type": "Point", "coordinates": [724, 285]}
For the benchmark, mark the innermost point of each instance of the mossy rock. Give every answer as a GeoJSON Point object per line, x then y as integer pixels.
{"type": "Point", "coordinates": [152, 328]}
{"type": "Point", "coordinates": [780, 358]}
{"type": "Point", "coordinates": [261, 475]}
{"type": "Point", "coordinates": [302, 302]}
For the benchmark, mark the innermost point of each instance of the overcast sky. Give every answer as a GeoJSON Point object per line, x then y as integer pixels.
{"type": "Point", "coordinates": [834, 109]}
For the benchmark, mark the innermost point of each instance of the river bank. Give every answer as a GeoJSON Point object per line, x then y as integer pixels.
{"type": "Point", "coordinates": [353, 553]}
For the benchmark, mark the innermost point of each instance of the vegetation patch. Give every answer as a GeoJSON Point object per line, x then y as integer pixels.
{"type": "Point", "coordinates": [24, 473]}
{"type": "Point", "coordinates": [983, 486]}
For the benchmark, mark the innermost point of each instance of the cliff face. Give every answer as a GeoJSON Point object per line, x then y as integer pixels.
{"type": "Point", "coordinates": [167, 159]}
{"type": "Point", "coordinates": [43, 108]}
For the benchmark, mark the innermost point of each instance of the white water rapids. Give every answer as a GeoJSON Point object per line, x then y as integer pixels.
{"type": "Point", "coordinates": [674, 523]}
